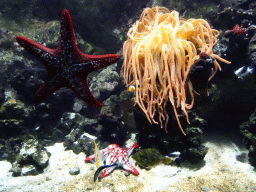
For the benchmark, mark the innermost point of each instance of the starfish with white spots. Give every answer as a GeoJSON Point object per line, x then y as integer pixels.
{"type": "Point", "coordinates": [114, 154]}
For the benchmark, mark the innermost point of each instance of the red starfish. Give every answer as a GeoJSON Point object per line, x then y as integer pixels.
{"type": "Point", "coordinates": [113, 154]}
{"type": "Point", "coordinates": [67, 66]}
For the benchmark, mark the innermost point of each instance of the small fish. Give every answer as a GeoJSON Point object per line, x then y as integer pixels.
{"type": "Point", "coordinates": [133, 87]}
{"type": "Point", "coordinates": [168, 159]}
{"type": "Point", "coordinates": [100, 169]}
{"type": "Point", "coordinates": [173, 155]}
{"type": "Point", "coordinates": [98, 156]}
{"type": "Point", "coordinates": [244, 71]}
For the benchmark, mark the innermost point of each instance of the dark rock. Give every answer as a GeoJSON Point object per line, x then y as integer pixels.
{"type": "Point", "coordinates": [68, 122]}
{"type": "Point", "coordinates": [227, 15]}
{"type": "Point", "coordinates": [110, 106]}
{"type": "Point", "coordinates": [79, 142]}
{"type": "Point", "coordinates": [195, 155]}
{"type": "Point", "coordinates": [126, 105]}
{"type": "Point", "coordinates": [112, 129]}
{"type": "Point", "coordinates": [252, 155]}
{"type": "Point", "coordinates": [242, 157]}
{"type": "Point", "coordinates": [248, 132]}
{"type": "Point", "coordinates": [27, 79]}
{"type": "Point", "coordinates": [190, 146]}
{"type": "Point", "coordinates": [83, 130]}
{"type": "Point", "coordinates": [14, 117]}
{"type": "Point", "coordinates": [200, 73]}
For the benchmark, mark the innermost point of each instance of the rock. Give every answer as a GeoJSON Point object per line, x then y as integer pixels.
{"type": "Point", "coordinates": [31, 160]}
{"type": "Point", "coordinates": [12, 113]}
{"type": "Point", "coordinates": [105, 83]}
{"type": "Point", "coordinates": [74, 171]}
{"type": "Point", "coordinates": [252, 156]}
{"type": "Point", "coordinates": [29, 170]}
{"type": "Point", "coordinates": [81, 134]}
{"type": "Point", "coordinates": [242, 157]}
{"type": "Point", "coordinates": [195, 154]}
{"type": "Point", "coordinates": [205, 188]}
{"type": "Point", "coordinates": [247, 130]}
{"type": "Point", "coordinates": [16, 169]}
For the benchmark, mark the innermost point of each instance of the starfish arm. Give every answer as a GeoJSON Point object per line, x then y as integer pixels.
{"type": "Point", "coordinates": [66, 29]}
{"type": "Point", "coordinates": [130, 149]}
{"type": "Point", "coordinates": [70, 52]}
{"type": "Point", "coordinates": [90, 158]}
{"type": "Point", "coordinates": [95, 62]}
{"type": "Point", "coordinates": [80, 88]}
{"type": "Point", "coordinates": [45, 54]}
{"type": "Point", "coordinates": [107, 171]}
{"type": "Point", "coordinates": [49, 87]}
{"type": "Point", "coordinates": [67, 48]}
{"type": "Point", "coordinates": [128, 167]}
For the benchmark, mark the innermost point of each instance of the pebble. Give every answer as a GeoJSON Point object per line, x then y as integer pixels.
{"type": "Point", "coordinates": [74, 171]}
{"type": "Point", "coordinates": [205, 188]}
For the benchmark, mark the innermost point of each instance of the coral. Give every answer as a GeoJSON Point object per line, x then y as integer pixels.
{"type": "Point", "coordinates": [237, 31]}
{"type": "Point", "coordinates": [240, 35]}
{"type": "Point", "coordinates": [158, 55]}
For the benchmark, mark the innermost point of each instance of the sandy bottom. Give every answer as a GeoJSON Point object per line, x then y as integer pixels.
{"type": "Point", "coordinates": [220, 171]}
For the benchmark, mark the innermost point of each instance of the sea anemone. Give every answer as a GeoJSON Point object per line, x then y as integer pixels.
{"type": "Point", "coordinates": [158, 53]}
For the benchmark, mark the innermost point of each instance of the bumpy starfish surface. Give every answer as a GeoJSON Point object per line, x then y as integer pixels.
{"type": "Point", "coordinates": [67, 66]}
{"type": "Point", "coordinates": [113, 154]}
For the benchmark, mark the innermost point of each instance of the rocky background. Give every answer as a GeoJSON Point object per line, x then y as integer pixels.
{"type": "Point", "coordinates": [26, 128]}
